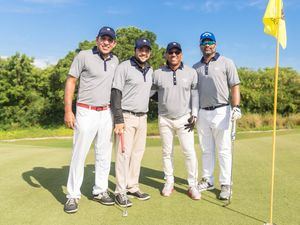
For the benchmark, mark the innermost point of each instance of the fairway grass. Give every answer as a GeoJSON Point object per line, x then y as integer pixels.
{"type": "Point", "coordinates": [34, 175]}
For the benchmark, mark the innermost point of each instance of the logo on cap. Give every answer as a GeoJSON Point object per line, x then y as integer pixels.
{"type": "Point", "coordinates": [144, 41]}
{"type": "Point", "coordinates": [206, 34]}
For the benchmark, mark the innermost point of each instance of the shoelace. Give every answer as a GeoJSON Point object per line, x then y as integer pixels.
{"type": "Point", "coordinates": [71, 201]}
{"type": "Point", "coordinates": [105, 194]}
{"type": "Point", "coordinates": [225, 188]}
{"type": "Point", "coordinates": [193, 189]}
{"type": "Point", "coordinates": [123, 197]}
{"type": "Point", "coordinates": [203, 183]}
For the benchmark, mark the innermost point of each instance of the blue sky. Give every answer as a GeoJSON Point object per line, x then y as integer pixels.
{"type": "Point", "coordinates": [48, 29]}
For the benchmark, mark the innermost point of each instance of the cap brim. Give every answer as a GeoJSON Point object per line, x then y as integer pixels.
{"type": "Point", "coordinates": [201, 40]}
{"type": "Point", "coordinates": [107, 34]}
{"type": "Point", "coordinates": [144, 46]}
{"type": "Point", "coordinates": [173, 48]}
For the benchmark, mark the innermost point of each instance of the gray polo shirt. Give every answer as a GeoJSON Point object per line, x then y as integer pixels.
{"type": "Point", "coordinates": [135, 85]}
{"type": "Point", "coordinates": [175, 97]}
{"type": "Point", "coordinates": [95, 76]}
{"type": "Point", "coordinates": [215, 79]}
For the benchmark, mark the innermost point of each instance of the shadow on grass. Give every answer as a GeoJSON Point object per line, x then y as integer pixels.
{"type": "Point", "coordinates": [54, 179]}
{"type": "Point", "coordinates": [222, 204]}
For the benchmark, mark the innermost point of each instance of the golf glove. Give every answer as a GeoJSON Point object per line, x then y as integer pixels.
{"type": "Point", "coordinates": [191, 124]}
{"type": "Point", "coordinates": [236, 113]}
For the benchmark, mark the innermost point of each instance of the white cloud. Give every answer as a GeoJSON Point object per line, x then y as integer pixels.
{"type": "Point", "coordinates": [111, 11]}
{"type": "Point", "coordinates": [21, 10]}
{"type": "Point", "coordinates": [259, 4]}
{"type": "Point", "coordinates": [44, 62]}
{"type": "Point", "coordinates": [205, 6]}
{"type": "Point", "coordinates": [48, 1]}
{"type": "Point", "coordinates": [212, 6]}
{"type": "Point", "coordinates": [189, 7]}
{"type": "Point", "coordinates": [40, 62]}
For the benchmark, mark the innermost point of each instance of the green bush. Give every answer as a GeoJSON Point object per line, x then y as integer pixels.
{"type": "Point", "coordinates": [34, 97]}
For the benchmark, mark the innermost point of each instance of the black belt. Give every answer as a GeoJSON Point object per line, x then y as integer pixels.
{"type": "Point", "coordinates": [214, 107]}
{"type": "Point", "coordinates": [135, 113]}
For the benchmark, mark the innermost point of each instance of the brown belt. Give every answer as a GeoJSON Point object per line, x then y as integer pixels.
{"type": "Point", "coordinates": [96, 108]}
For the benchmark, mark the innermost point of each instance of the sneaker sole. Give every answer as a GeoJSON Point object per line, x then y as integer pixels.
{"type": "Point", "coordinates": [103, 203]}
{"type": "Point", "coordinates": [207, 189]}
{"type": "Point", "coordinates": [124, 206]}
{"type": "Point", "coordinates": [224, 199]}
{"type": "Point", "coordinates": [190, 195]}
{"type": "Point", "coordinates": [168, 194]}
{"type": "Point", "coordinates": [142, 199]}
{"type": "Point", "coordinates": [71, 211]}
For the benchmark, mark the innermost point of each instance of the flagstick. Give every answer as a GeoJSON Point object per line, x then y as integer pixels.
{"type": "Point", "coordinates": [274, 124]}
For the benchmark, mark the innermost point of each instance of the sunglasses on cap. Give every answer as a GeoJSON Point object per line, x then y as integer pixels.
{"type": "Point", "coordinates": [207, 43]}
{"type": "Point", "coordinates": [177, 52]}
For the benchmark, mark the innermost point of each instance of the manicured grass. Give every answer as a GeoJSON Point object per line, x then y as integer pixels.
{"type": "Point", "coordinates": [34, 175]}
{"type": "Point", "coordinates": [35, 132]}
{"type": "Point", "coordinates": [248, 123]}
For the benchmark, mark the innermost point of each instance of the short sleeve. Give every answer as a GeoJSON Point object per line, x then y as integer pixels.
{"type": "Point", "coordinates": [232, 74]}
{"type": "Point", "coordinates": [119, 77]}
{"type": "Point", "coordinates": [77, 65]}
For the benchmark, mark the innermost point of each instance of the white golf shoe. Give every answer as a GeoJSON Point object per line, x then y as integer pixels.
{"type": "Point", "coordinates": [194, 193]}
{"type": "Point", "coordinates": [204, 185]}
{"type": "Point", "coordinates": [168, 189]}
{"type": "Point", "coordinates": [226, 192]}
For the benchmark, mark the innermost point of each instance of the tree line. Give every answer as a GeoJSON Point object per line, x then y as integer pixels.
{"type": "Point", "coordinates": [30, 96]}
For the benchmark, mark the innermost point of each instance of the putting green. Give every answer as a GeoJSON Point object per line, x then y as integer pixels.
{"type": "Point", "coordinates": [34, 175]}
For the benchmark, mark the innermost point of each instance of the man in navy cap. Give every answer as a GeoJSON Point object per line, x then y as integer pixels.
{"type": "Point", "coordinates": [130, 97]}
{"type": "Point", "coordinates": [218, 77]}
{"type": "Point", "coordinates": [94, 69]}
{"type": "Point", "coordinates": [176, 85]}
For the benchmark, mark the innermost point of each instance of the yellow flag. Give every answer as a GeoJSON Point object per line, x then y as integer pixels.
{"type": "Point", "coordinates": [274, 21]}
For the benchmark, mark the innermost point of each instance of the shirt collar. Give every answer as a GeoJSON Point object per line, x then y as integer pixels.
{"type": "Point", "coordinates": [215, 58]}
{"type": "Point", "coordinates": [95, 50]}
{"type": "Point", "coordinates": [134, 62]}
{"type": "Point", "coordinates": [180, 67]}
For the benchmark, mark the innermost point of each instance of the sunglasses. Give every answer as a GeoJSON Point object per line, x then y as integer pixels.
{"type": "Point", "coordinates": [207, 43]}
{"type": "Point", "coordinates": [176, 52]}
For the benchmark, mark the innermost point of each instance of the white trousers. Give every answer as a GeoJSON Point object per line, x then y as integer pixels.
{"type": "Point", "coordinates": [90, 126]}
{"type": "Point", "coordinates": [167, 129]}
{"type": "Point", "coordinates": [214, 130]}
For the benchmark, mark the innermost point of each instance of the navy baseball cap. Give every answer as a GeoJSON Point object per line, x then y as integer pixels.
{"type": "Point", "coordinates": [207, 35]}
{"type": "Point", "coordinates": [141, 42]}
{"type": "Point", "coordinates": [107, 31]}
{"type": "Point", "coordinates": [174, 45]}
